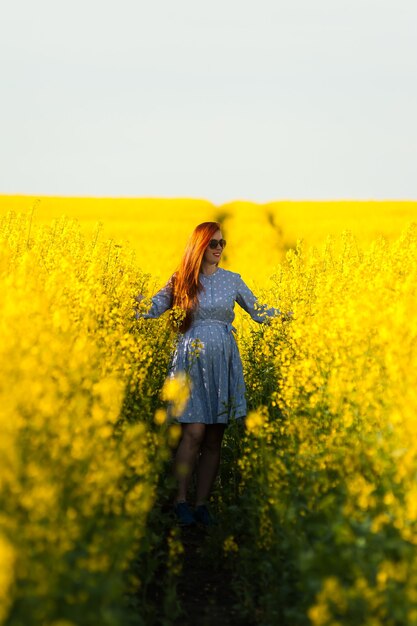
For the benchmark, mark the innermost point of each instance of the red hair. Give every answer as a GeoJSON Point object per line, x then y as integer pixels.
{"type": "Point", "coordinates": [186, 283]}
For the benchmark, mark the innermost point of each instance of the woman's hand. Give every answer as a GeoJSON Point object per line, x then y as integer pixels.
{"type": "Point", "coordinates": [287, 317]}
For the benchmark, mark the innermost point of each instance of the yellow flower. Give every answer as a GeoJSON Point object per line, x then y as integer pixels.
{"type": "Point", "coordinates": [230, 545]}
{"type": "Point", "coordinates": [254, 422]}
{"type": "Point", "coordinates": [160, 417]}
{"type": "Point", "coordinates": [176, 391]}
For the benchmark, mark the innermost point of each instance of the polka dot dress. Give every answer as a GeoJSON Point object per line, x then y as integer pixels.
{"type": "Point", "coordinates": [208, 352]}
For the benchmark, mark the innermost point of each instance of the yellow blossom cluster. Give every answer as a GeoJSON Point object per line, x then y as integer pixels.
{"type": "Point", "coordinates": [330, 476]}
{"type": "Point", "coordinates": [79, 453]}
{"type": "Point", "coordinates": [176, 391]}
{"type": "Point", "coordinates": [325, 527]}
{"type": "Point", "coordinates": [155, 230]}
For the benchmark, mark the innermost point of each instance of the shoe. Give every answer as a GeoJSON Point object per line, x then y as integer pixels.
{"type": "Point", "coordinates": [184, 514]}
{"type": "Point", "coordinates": [202, 515]}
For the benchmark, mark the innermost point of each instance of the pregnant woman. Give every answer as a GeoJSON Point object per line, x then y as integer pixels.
{"type": "Point", "coordinates": [206, 295]}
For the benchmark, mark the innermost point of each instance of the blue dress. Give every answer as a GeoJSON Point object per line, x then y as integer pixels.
{"type": "Point", "coordinates": [207, 352]}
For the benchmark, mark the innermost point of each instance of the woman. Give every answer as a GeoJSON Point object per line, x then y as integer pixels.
{"type": "Point", "coordinates": [207, 352]}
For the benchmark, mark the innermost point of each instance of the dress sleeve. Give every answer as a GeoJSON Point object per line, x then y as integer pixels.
{"type": "Point", "coordinates": [161, 302]}
{"type": "Point", "coordinates": [248, 301]}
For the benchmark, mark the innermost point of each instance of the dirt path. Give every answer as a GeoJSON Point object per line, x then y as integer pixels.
{"type": "Point", "coordinates": [205, 593]}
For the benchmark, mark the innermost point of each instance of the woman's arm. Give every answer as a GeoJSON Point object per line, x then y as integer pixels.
{"type": "Point", "coordinates": [249, 302]}
{"type": "Point", "coordinates": [161, 302]}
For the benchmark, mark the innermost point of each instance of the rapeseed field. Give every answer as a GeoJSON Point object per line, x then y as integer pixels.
{"type": "Point", "coordinates": [317, 495]}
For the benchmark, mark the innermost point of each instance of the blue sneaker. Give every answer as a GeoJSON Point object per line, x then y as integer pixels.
{"type": "Point", "coordinates": [203, 516]}
{"type": "Point", "coordinates": [184, 514]}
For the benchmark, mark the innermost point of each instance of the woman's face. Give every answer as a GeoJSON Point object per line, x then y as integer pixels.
{"type": "Point", "coordinates": [213, 256]}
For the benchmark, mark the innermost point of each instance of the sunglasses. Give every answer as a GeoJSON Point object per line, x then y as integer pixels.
{"type": "Point", "coordinates": [216, 242]}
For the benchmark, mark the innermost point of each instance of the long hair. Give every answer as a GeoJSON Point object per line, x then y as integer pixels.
{"type": "Point", "coordinates": [185, 282]}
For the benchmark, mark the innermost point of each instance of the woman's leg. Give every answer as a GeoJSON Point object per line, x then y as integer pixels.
{"type": "Point", "coordinates": [186, 455]}
{"type": "Point", "coordinates": [209, 461]}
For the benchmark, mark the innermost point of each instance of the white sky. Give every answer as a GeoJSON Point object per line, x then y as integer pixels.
{"type": "Point", "coordinates": [217, 99]}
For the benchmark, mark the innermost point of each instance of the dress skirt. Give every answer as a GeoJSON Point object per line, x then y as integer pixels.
{"type": "Point", "coordinates": [208, 354]}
